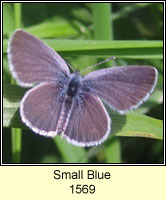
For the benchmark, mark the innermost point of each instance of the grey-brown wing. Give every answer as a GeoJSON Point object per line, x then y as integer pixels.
{"type": "Point", "coordinates": [123, 88]}
{"type": "Point", "coordinates": [40, 109]}
{"type": "Point", "coordinates": [31, 61]}
{"type": "Point", "coordinates": [89, 123]}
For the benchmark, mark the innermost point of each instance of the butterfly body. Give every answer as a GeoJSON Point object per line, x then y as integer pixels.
{"type": "Point", "coordinates": [65, 114]}
{"type": "Point", "coordinates": [75, 84]}
{"type": "Point", "coordinates": [73, 95]}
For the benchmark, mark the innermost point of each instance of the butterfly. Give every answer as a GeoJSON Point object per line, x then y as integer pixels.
{"type": "Point", "coordinates": [67, 103]}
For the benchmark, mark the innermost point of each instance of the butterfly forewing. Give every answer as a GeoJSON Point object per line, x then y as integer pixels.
{"type": "Point", "coordinates": [123, 88]}
{"type": "Point", "coordinates": [31, 61]}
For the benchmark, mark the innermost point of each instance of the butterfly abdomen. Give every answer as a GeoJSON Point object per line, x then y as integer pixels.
{"type": "Point", "coordinates": [65, 113]}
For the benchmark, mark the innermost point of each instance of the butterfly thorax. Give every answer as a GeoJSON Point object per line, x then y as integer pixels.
{"type": "Point", "coordinates": [74, 84]}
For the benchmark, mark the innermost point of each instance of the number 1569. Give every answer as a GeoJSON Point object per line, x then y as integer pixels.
{"type": "Point", "coordinates": [82, 189]}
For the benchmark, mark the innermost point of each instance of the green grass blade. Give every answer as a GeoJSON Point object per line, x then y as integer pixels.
{"type": "Point", "coordinates": [52, 29]}
{"type": "Point", "coordinates": [17, 12]}
{"type": "Point", "coordinates": [16, 145]}
{"type": "Point", "coordinates": [136, 125]}
{"type": "Point", "coordinates": [101, 21]}
{"type": "Point", "coordinates": [16, 132]}
{"type": "Point", "coordinates": [70, 153]}
{"type": "Point", "coordinates": [8, 19]}
{"type": "Point", "coordinates": [113, 151]}
{"type": "Point", "coordinates": [104, 31]}
{"type": "Point", "coordinates": [120, 49]}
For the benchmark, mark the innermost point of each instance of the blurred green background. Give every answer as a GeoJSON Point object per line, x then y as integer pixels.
{"type": "Point", "coordinates": [84, 34]}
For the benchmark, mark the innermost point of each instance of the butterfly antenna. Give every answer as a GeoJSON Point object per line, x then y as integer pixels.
{"type": "Point", "coordinates": [70, 66]}
{"type": "Point", "coordinates": [104, 61]}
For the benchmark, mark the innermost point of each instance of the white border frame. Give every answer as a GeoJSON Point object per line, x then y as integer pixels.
{"type": "Point", "coordinates": [76, 164]}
